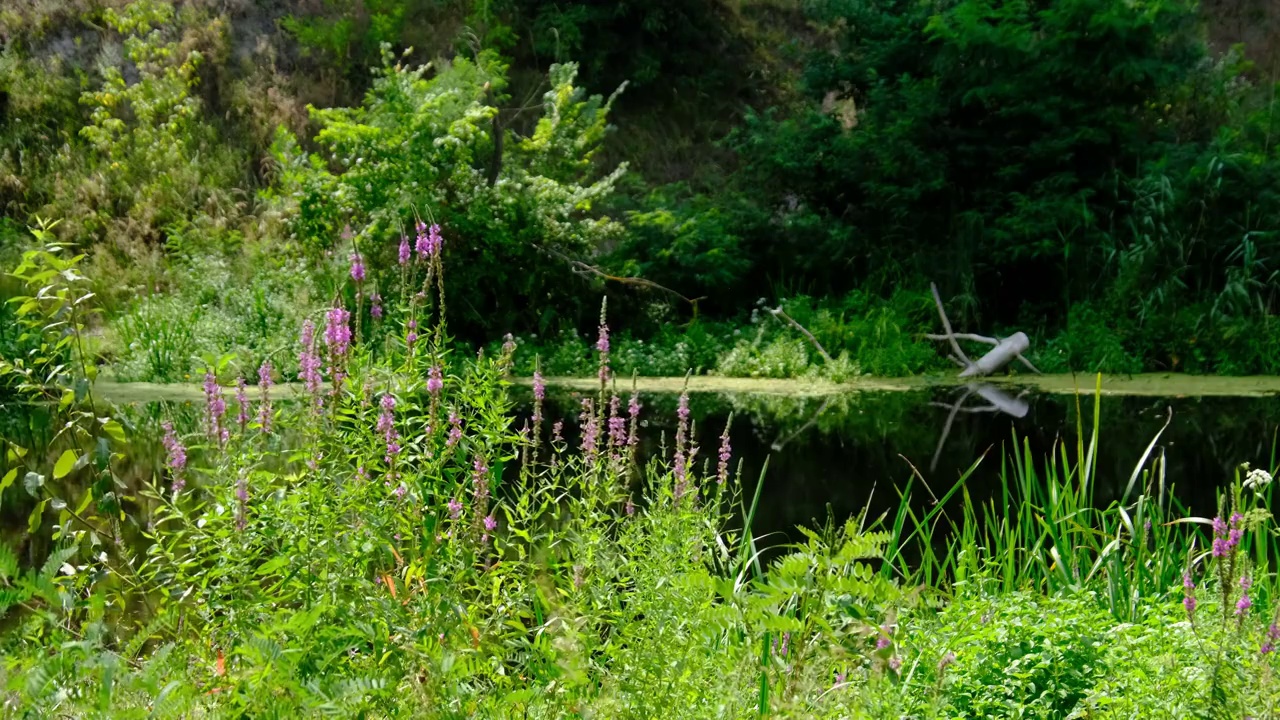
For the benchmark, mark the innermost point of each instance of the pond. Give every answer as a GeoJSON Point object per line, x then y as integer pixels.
{"type": "Point", "coordinates": [829, 454]}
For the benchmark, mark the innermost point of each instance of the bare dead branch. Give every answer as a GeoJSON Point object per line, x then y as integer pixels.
{"type": "Point", "coordinates": [965, 336]}
{"type": "Point", "coordinates": [1028, 364]}
{"type": "Point", "coordinates": [587, 270]}
{"type": "Point", "coordinates": [946, 325]}
{"type": "Point", "coordinates": [778, 312]}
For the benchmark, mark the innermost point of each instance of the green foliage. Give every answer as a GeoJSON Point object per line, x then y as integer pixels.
{"type": "Point", "coordinates": [160, 337]}
{"type": "Point", "coordinates": [393, 547]}
{"type": "Point", "coordinates": [514, 210]}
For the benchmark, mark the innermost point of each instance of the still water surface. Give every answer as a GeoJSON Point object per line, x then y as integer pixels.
{"type": "Point", "coordinates": [836, 455]}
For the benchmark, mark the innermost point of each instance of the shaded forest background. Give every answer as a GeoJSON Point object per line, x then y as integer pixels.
{"type": "Point", "coordinates": [1101, 174]}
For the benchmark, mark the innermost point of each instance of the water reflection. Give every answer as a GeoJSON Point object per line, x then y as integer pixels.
{"type": "Point", "coordinates": [827, 456]}
{"type": "Point", "coordinates": [997, 401]}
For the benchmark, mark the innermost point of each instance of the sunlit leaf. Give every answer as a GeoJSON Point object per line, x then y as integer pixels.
{"type": "Point", "coordinates": [65, 463]}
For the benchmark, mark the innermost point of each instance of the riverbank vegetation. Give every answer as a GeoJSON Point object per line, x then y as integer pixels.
{"type": "Point", "coordinates": [395, 545]}
{"type": "Point", "coordinates": [1095, 173]}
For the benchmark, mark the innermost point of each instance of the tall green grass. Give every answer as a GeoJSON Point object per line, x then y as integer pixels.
{"type": "Point", "coordinates": [1045, 531]}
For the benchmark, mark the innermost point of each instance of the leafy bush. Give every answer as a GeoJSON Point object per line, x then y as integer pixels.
{"type": "Point", "coordinates": [515, 211]}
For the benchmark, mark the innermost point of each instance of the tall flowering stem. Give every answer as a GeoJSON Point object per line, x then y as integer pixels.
{"type": "Point", "coordinates": [309, 362]}
{"type": "Point", "coordinates": [539, 395]}
{"type": "Point", "coordinates": [387, 427]}
{"type": "Point", "coordinates": [726, 454]}
{"type": "Point", "coordinates": [633, 426]}
{"type": "Point", "coordinates": [1227, 536]}
{"type": "Point", "coordinates": [176, 457]}
{"type": "Point", "coordinates": [337, 337]}
{"type": "Point", "coordinates": [242, 500]}
{"type": "Point", "coordinates": [602, 347]}
{"type": "Point", "coordinates": [215, 409]}
{"type": "Point", "coordinates": [480, 486]}
{"type": "Point", "coordinates": [242, 403]}
{"type": "Point", "coordinates": [617, 431]}
{"type": "Point", "coordinates": [590, 432]}
{"type": "Point", "coordinates": [265, 414]}
{"type": "Point", "coordinates": [680, 468]}
{"type": "Point", "coordinates": [1189, 595]}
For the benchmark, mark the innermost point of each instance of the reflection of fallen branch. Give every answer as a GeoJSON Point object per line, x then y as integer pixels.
{"type": "Point", "coordinates": [587, 270]}
{"type": "Point", "coordinates": [782, 442]}
{"type": "Point", "coordinates": [998, 401]}
{"type": "Point", "coordinates": [1003, 352]}
{"type": "Point", "coordinates": [779, 313]}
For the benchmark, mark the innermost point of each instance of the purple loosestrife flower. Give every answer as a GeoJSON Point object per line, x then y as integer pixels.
{"type": "Point", "coordinates": [308, 360]}
{"type": "Point", "coordinates": [1219, 547]}
{"type": "Point", "coordinates": [387, 426]}
{"type": "Point", "coordinates": [264, 387]}
{"type": "Point", "coordinates": [630, 507]}
{"type": "Point", "coordinates": [375, 309]}
{"type": "Point", "coordinates": [455, 430]}
{"type": "Point", "coordinates": [420, 243]}
{"type": "Point", "coordinates": [895, 663]}
{"type": "Point", "coordinates": [215, 408]}
{"type": "Point", "coordinates": [1243, 604]}
{"type": "Point", "coordinates": [1219, 526]}
{"type": "Point", "coordinates": [726, 453]}
{"type": "Point", "coordinates": [590, 430]}
{"type": "Point", "coordinates": [177, 456]}
{"type": "Point", "coordinates": [337, 333]}
{"type": "Point", "coordinates": [680, 468]}
{"type": "Point", "coordinates": [435, 380]}
{"type": "Point", "coordinates": [242, 400]}
{"type": "Point", "coordinates": [1233, 537]}
{"type": "Point", "coordinates": [490, 523]}
{"type": "Point", "coordinates": [602, 344]}
{"type": "Point", "coordinates": [633, 412]}
{"type": "Point", "coordinates": [617, 425]}
{"type": "Point", "coordinates": [435, 242]}
{"type": "Point", "coordinates": [539, 394]}
{"type": "Point", "coordinates": [1273, 634]}
{"type": "Point", "coordinates": [455, 508]}
{"type": "Point", "coordinates": [404, 250]}
{"type": "Point", "coordinates": [480, 479]}
{"type": "Point", "coordinates": [357, 268]}
{"type": "Point", "coordinates": [1189, 593]}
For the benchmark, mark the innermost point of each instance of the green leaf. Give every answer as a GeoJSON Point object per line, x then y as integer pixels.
{"type": "Point", "coordinates": [272, 565]}
{"type": "Point", "coordinates": [9, 477]}
{"type": "Point", "coordinates": [114, 430]}
{"type": "Point", "coordinates": [33, 482]}
{"type": "Point", "coordinates": [65, 463]}
{"type": "Point", "coordinates": [84, 503]}
{"type": "Point", "coordinates": [33, 520]}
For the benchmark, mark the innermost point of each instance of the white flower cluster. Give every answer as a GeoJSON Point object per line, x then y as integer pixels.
{"type": "Point", "coordinates": [1257, 479]}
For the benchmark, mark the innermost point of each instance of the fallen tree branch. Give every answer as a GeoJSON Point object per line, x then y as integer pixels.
{"type": "Point", "coordinates": [585, 269]}
{"type": "Point", "coordinates": [778, 312]}
{"type": "Point", "coordinates": [946, 325]}
{"type": "Point", "coordinates": [966, 336]}
{"type": "Point", "coordinates": [1003, 351]}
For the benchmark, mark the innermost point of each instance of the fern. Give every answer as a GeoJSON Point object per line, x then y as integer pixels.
{"type": "Point", "coordinates": [8, 563]}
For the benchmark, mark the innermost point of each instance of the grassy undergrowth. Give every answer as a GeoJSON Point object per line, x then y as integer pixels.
{"type": "Point", "coordinates": [396, 547]}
